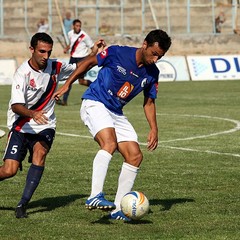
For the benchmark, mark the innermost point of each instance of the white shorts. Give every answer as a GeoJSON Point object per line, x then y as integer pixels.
{"type": "Point", "coordinates": [97, 117]}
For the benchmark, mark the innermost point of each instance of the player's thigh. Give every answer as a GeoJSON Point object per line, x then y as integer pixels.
{"type": "Point", "coordinates": [124, 129]}
{"type": "Point", "coordinates": [39, 146]}
{"type": "Point", "coordinates": [95, 116]}
{"type": "Point", "coordinates": [128, 141]}
{"type": "Point", "coordinates": [16, 148]}
{"type": "Point", "coordinates": [9, 168]}
{"type": "Point", "coordinates": [107, 140]}
{"type": "Point", "coordinates": [40, 151]}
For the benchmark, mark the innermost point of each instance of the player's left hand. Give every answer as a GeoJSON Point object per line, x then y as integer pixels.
{"type": "Point", "coordinates": [60, 92]}
{"type": "Point", "coordinates": [152, 140]}
{"type": "Point", "coordinates": [99, 46]}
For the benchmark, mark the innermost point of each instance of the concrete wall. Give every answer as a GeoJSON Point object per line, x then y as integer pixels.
{"type": "Point", "coordinates": [202, 41]}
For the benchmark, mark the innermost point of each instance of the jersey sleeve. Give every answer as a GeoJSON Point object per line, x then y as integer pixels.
{"type": "Point", "coordinates": [151, 90]}
{"type": "Point", "coordinates": [105, 57]}
{"type": "Point", "coordinates": [18, 93]}
{"type": "Point", "coordinates": [88, 41]}
{"type": "Point", "coordinates": [66, 71]}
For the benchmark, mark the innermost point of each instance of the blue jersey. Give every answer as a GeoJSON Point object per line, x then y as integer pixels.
{"type": "Point", "coordinates": [120, 79]}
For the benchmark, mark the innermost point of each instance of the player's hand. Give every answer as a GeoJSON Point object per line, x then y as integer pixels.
{"type": "Point", "coordinates": [39, 117]}
{"type": "Point", "coordinates": [152, 140]}
{"type": "Point", "coordinates": [99, 46]}
{"type": "Point", "coordinates": [60, 92]}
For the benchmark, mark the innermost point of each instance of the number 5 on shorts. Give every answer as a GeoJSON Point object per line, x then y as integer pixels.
{"type": "Point", "coordinates": [14, 149]}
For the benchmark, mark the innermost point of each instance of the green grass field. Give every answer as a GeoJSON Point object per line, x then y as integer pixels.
{"type": "Point", "coordinates": [192, 179]}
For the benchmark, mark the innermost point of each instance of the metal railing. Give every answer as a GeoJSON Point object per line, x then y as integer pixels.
{"type": "Point", "coordinates": [177, 17]}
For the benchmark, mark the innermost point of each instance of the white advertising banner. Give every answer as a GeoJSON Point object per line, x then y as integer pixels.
{"type": "Point", "coordinates": [173, 68]}
{"type": "Point", "coordinates": [7, 70]}
{"type": "Point", "coordinates": [224, 67]}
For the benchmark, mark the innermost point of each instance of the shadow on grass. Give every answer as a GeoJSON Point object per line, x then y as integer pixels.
{"type": "Point", "coordinates": [49, 204]}
{"type": "Point", "coordinates": [168, 203]}
{"type": "Point", "coordinates": [165, 203]}
{"type": "Point", "coordinates": [106, 220]}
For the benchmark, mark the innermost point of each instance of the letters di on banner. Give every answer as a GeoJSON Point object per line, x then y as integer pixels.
{"type": "Point", "coordinates": [224, 67]}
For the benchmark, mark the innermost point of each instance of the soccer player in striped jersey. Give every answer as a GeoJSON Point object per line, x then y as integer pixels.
{"type": "Point", "coordinates": [31, 117]}
{"type": "Point", "coordinates": [80, 47]}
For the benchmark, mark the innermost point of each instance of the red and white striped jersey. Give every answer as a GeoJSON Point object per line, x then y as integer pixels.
{"type": "Point", "coordinates": [34, 89]}
{"type": "Point", "coordinates": [79, 44]}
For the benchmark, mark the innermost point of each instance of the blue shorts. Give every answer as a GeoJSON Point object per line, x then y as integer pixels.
{"type": "Point", "coordinates": [19, 143]}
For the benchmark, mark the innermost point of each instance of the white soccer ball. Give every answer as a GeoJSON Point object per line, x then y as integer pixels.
{"type": "Point", "coordinates": [135, 205]}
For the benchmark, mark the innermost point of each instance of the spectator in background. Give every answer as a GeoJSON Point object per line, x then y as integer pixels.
{"type": "Point", "coordinates": [219, 20]}
{"type": "Point", "coordinates": [67, 22]}
{"type": "Point", "coordinates": [42, 25]}
{"type": "Point", "coordinates": [80, 46]}
{"type": "Point", "coordinates": [104, 29]}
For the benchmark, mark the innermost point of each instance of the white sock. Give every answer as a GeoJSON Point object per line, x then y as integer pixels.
{"type": "Point", "coordinates": [100, 167]}
{"type": "Point", "coordinates": [125, 182]}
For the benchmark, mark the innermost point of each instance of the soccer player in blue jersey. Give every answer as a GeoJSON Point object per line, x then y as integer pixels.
{"type": "Point", "coordinates": [126, 71]}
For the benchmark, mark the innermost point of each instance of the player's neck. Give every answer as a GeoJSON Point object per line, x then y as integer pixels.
{"type": "Point", "coordinates": [35, 66]}
{"type": "Point", "coordinates": [139, 57]}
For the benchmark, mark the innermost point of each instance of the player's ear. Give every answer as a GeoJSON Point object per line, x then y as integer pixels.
{"type": "Point", "coordinates": [144, 45]}
{"type": "Point", "coordinates": [31, 49]}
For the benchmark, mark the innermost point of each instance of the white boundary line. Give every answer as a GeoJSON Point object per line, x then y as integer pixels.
{"type": "Point", "coordinates": [202, 151]}
{"type": "Point", "coordinates": [236, 128]}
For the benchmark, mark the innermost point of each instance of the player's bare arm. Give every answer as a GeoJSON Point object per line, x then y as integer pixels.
{"type": "Point", "coordinates": [37, 116]}
{"type": "Point", "coordinates": [66, 49]}
{"type": "Point", "coordinates": [82, 68]}
{"type": "Point", "coordinates": [150, 113]}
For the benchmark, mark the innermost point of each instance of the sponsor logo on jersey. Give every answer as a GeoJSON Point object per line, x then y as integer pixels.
{"type": "Point", "coordinates": [144, 82]}
{"type": "Point", "coordinates": [121, 70]}
{"type": "Point", "coordinates": [125, 90]}
{"type": "Point", "coordinates": [134, 74]}
{"type": "Point", "coordinates": [104, 53]}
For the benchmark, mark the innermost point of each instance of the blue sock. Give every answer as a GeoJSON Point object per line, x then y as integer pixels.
{"type": "Point", "coordinates": [32, 181]}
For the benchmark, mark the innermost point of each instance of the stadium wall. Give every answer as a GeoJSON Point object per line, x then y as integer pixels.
{"type": "Point", "coordinates": [172, 68]}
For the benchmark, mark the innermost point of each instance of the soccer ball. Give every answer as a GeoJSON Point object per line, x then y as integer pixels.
{"type": "Point", "coordinates": [135, 205]}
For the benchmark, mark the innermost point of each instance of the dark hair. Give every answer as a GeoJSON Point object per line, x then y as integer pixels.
{"type": "Point", "coordinates": [76, 21]}
{"type": "Point", "coordinates": [41, 36]}
{"type": "Point", "coordinates": [159, 36]}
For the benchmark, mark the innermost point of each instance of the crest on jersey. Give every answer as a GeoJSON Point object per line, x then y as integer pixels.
{"type": "Point", "coordinates": [104, 53]}
{"type": "Point", "coordinates": [125, 90]}
{"type": "Point", "coordinates": [32, 83]}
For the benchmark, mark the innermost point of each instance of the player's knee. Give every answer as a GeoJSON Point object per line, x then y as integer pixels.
{"type": "Point", "coordinates": [110, 146]}
{"type": "Point", "coordinates": [8, 171]}
{"type": "Point", "coordinates": [136, 159]}
{"type": "Point", "coordinates": [41, 153]}
{"type": "Point", "coordinates": [39, 156]}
